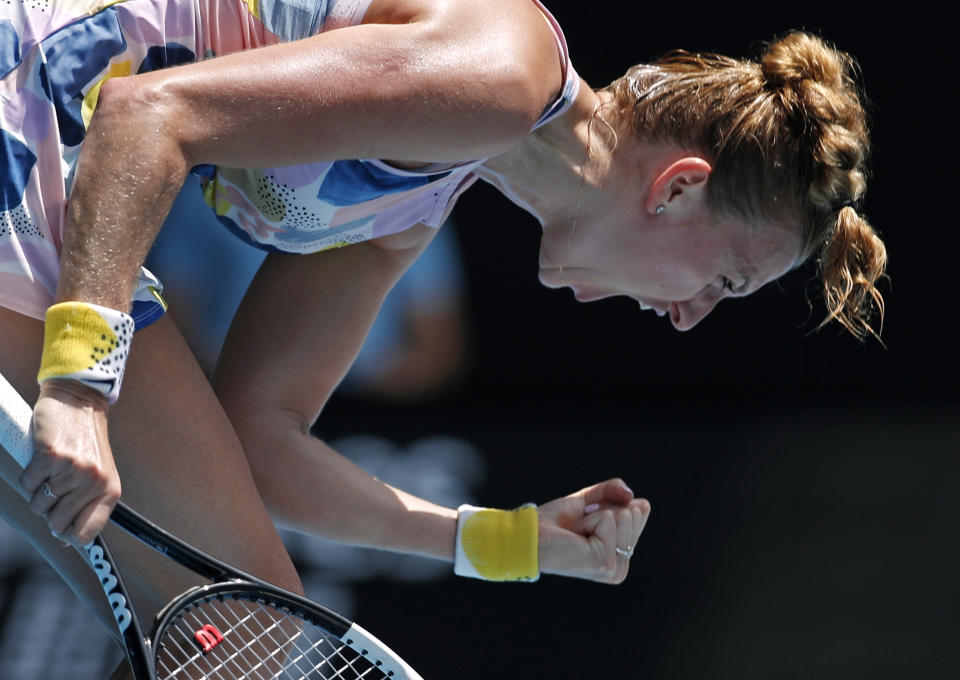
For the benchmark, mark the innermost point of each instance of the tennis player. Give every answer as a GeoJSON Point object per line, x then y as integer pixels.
{"type": "Point", "coordinates": [338, 135]}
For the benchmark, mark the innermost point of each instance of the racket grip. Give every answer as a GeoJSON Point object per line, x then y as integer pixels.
{"type": "Point", "coordinates": [15, 417]}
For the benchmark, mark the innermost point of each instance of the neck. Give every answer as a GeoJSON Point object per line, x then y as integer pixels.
{"type": "Point", "coordinates": [545, 175]}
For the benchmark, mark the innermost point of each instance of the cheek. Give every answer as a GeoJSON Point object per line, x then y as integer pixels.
{"type": "Point", "coordinates": [677, 281]}
{"type": "Point", "coordinates": [685, 265]}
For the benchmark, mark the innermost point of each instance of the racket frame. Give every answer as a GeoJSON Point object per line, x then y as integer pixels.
{"type": "Point", "coordinates": [15, 437]}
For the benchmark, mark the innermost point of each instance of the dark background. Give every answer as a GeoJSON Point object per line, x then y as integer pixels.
{"type": "Point", "coordinates": [802, 483]}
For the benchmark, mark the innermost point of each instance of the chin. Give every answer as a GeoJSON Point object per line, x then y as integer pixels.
{"type": "Point", "coordinates": [590, 296]}
{"type": "Point", "coordinates": [550, 278]}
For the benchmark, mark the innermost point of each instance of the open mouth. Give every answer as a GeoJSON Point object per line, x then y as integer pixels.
{"type": "Point", "coordinates": [644, 306]}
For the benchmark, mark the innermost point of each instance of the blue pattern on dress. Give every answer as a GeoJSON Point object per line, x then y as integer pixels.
{"type": "Point", "coordinates": [17, 160]}
{"type": "Point", "coordinates": [235, 229]}
{"type": "Point", "coordinates": [10, 56]}
{"type": "Point", "coordinates": [293, 19]}
{"type": "Point", "coordinates": [351, 182]}
{"type": "Point", "coordinates": [45, 82]}
{"type": "Point", "coordinates": [170, 54]}
{"type": "Point", "coordinates": [75, 56]}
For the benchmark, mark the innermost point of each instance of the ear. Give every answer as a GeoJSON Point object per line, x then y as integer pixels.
{"type": "Point", "coordinates": [682, 181]}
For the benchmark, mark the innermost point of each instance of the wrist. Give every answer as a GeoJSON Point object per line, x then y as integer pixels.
{"type": "Point", "coordinates": [73, 392]}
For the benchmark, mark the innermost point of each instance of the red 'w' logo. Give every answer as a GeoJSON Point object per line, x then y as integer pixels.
{"type": "Point", "coordinates": [208, 637]}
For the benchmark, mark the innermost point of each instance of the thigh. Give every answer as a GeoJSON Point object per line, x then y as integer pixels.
{"type": "Point", "coordinates": [180, 462]}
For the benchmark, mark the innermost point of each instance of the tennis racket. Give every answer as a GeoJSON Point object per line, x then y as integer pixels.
{"type": "Point", "coordinates": [235, 627]}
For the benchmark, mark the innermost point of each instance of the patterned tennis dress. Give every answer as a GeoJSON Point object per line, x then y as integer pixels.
{"type": "Point", "coordinates": [56, 54]}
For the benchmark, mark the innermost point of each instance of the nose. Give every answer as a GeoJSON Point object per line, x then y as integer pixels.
{"type": "Point", "coordinates": [686, 315]}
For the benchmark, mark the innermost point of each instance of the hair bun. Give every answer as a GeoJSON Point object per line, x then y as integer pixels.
{"type": "Point", "coordinates": [799, 57]}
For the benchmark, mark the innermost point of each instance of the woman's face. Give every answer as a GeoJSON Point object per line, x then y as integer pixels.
{"type": "Point", "coordinates": [680, 264]}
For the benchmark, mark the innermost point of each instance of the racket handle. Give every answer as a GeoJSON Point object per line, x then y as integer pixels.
{"type": "Point", "coordinates": [15, 417]}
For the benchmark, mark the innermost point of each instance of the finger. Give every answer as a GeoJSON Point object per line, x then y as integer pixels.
{"type": "Point", "coordinates": [589, 523]}
{"type": "Point", "coordinates": [62, 515]}
{"type": "Point", "coordinates": [76, 488]}
{"type": "Point", "coordinates": [70, 507]}
{"type": "Point", "coordinates": [611, 491]}
{"type": "Point", "coordinates": [598, 526]}
{"type": "Point", "coordinates": [89, 523]}
{"type": "Point", "coordinates": [601, 531]}
{"type": "Point", "coordinates": [593, 507]}
{"type": "Point", "coordinates": [615, 529]}
{"type": "Point", "coordinates": [44, 498]}
{"type": "Point", "coordinates": [641, 509]}
{"type": "Point", "coordinates": [35, 474]}
{"type": "Point", "coordinates": [51, 491]}
{"type": "Point", "coordinates": [626, 539]}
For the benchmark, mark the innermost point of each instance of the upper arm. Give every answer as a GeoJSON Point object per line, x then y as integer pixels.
{"type": "Point", "coordinates": [445, 81]}
{"type": "Point", "coordinates": [451, 80]}
{"type": "Point", "coordinates": [305, 318]}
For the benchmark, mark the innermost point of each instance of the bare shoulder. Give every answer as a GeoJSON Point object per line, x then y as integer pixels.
{"type": "Point", "coordinates": [403, 11]}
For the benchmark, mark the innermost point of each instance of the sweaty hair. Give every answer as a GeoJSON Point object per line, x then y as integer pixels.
{"type": "Point", "coordinates": [788, 138]}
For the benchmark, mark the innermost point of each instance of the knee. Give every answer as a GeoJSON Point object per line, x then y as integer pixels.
{"type": "Point", "coordinates": [273, 441]}
{"type": "Point", "coordinates": [270, 436]}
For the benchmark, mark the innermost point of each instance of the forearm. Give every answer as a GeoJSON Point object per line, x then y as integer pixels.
{"type": "Point", "coordinates": [309, 487]}
{"type": "Point", "coordinates": [128, 173]}
{"type": "Point", "coordinates": [319, 307]}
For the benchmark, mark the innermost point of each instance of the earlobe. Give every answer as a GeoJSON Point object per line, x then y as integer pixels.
{"type": "Point", "coordinates": [682, 179]}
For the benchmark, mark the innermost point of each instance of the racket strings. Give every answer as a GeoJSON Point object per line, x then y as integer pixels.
{"type": "Point", "coordinates": [241, 651]}
{"type": "Point", "coordinates": [258, 641]}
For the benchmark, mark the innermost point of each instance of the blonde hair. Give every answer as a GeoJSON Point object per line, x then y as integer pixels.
{"type": "Point", "coordinates": [788, 139]}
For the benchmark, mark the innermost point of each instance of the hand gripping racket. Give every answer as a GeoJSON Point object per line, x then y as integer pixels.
{"type": "Point", "coordinates": [236, 627]}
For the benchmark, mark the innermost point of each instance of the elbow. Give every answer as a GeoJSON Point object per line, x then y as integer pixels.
{"type": "Point", "coordinates": [524, 99]}
{"type": "Point", "coordinates": [519, 84]}
{"type": "Point", "coordinates": [491, 90]}
{"type": "Point", "coordinates": [502, 106]}
{"type": "Point", "coordinates": [138, 113]}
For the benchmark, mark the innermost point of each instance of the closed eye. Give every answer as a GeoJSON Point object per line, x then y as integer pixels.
{"type": "Point", "coordinates": [742, 289]}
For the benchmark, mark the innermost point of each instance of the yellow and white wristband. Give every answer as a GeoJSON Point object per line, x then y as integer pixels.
{"type": "Point", "coordinates": [497, 545]}
{"type": "Point", "coordinates": [87, 343]}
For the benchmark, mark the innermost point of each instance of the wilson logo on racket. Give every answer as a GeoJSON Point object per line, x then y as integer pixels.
{"type": "Point", "coordinates": [117, 601]}
{"type": "Point", "coordinates": [208, 637]}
